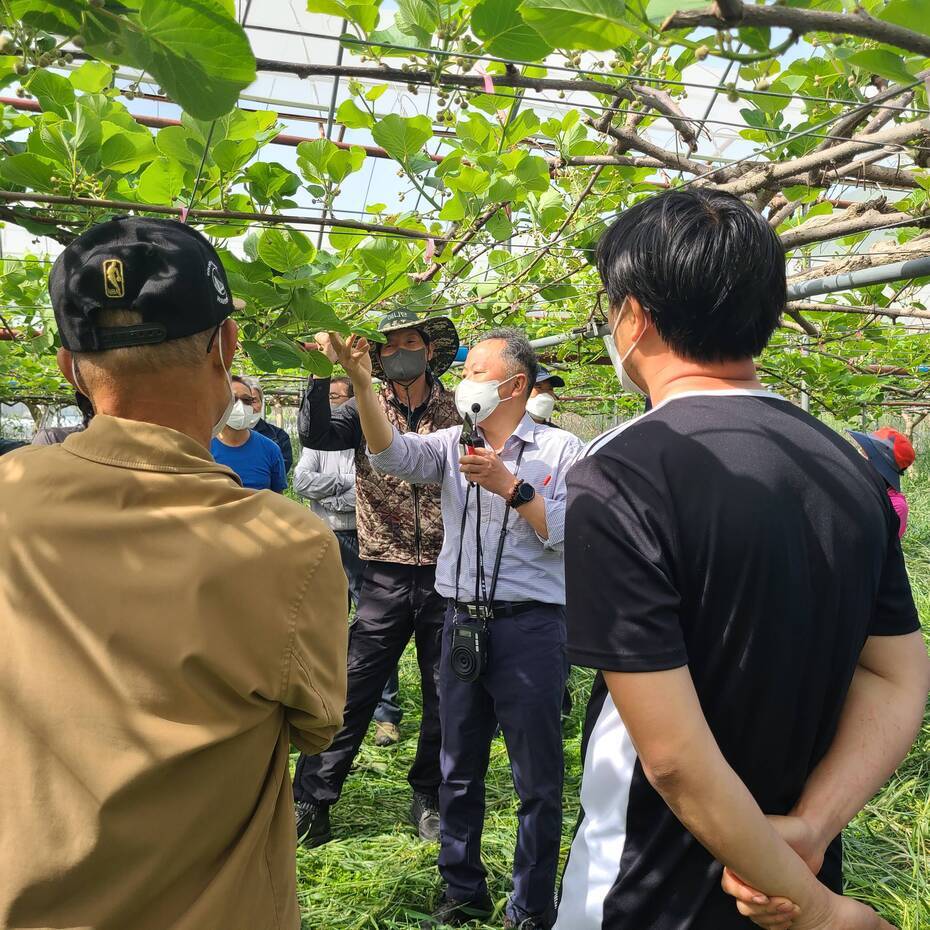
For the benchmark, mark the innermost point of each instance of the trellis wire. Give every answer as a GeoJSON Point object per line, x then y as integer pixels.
{"type": "Point", "coordinates": [755, 154]}
{"type": "Point", "coordinates": [585, 72]}
{"type": "Point", "coordinates": [550, 245]}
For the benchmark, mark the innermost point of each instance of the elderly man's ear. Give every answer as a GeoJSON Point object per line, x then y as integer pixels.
{"type": "Point", "coordinates": [229, 341]}
{"type": "Point", "coordinates": [66, 366]}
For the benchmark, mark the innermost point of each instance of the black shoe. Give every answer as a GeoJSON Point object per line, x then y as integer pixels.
{"type": "Point", "coordinates": [424, 815]}
{"type": "Point", "coordinates": [452, 913]}
{"type": "Point", "coordinates": [528, 923]}
{"type": "Point", "coordinates": [313, 827]}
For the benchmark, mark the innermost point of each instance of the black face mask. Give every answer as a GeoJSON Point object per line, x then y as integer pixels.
{"type": "Point", "coordinates": [404, 365]}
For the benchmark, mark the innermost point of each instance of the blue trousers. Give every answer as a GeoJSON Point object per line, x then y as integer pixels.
{"type": "Point", "coordinates": [522, 689]}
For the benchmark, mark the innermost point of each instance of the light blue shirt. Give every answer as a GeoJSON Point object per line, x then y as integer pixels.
{"type": "Point", "coordinates": [531, 567]}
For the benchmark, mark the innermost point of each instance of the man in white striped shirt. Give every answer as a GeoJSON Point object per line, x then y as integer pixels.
{"type": "Point", "coordinates": [501, 570]}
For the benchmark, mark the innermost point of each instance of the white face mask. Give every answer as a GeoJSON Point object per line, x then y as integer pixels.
{"type": "Point", "coordinates": [221, 422]}
{"type": "Point", "coordinates": [541, 406]}
{"type": "Point", "coordinates": [242, 416]}
{"type": "Point", "coordinates": [478, 399]}
{"type": "Point", "coordinates": [626, 382]}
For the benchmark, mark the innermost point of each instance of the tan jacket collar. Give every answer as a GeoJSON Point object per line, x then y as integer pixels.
{"type": "Point", "coordinates": [142, 446]}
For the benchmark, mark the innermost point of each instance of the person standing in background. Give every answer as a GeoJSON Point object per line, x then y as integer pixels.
{"type": "Point", "coordinates": [400, 536]}
{"type": "Point", "coordinates": [279, 436]}
{"type": "Point", "coordinates": [327, 480]}
{"type": "Point", "coordinates": [541, 404]}
{"type": "Point", "coordinates": [890, 454]}
{"type": "Point", "coordinates": [256, 459]}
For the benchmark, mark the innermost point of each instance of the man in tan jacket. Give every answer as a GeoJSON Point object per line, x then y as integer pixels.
{"type": "Point", "coordinates": [167, 634]}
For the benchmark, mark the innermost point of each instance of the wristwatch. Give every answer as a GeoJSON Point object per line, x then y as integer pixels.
{"type": "Point", "coordinates": [522, 494]}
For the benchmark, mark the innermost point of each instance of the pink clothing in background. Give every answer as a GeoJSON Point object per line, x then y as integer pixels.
{"type": "Point", "coordinates": [899, 502]}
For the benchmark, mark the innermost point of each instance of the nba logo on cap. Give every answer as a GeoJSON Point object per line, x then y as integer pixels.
{"type": "Point", "coordinates": [114, 284]}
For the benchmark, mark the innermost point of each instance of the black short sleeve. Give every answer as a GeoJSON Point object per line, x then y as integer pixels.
{"type": "Point", "coordinates": [895, 613]}
{"type": "Point", "coordinates": [623, 602]}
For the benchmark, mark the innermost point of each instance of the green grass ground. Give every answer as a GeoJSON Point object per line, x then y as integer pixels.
{"type": "Point", "coordinates": [377, 875]}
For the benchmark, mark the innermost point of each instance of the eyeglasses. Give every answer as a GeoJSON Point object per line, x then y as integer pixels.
{"type": "Point", "coordinates": [338, 396]}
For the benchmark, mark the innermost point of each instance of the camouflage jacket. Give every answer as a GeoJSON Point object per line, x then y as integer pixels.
{"type": "Point", "coordinates": [397, 521]}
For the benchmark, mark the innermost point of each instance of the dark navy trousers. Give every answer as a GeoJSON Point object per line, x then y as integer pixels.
{"type": "Point", "coordinates": [521, 690]}
{"type": "Point", "coordinates": [396, 602]}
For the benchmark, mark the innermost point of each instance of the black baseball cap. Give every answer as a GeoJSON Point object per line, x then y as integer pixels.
{"type": "Point", "coordinates": [163, 269]}
{"type": "Point", "coordinates": [545, 375]}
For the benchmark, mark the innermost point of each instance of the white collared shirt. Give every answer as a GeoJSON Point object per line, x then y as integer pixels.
{"type": "Point", "coordinates": [531, 568]}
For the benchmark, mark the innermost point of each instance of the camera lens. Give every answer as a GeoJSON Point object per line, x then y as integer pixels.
{"type": "Point", "coordinates": [464, 663]}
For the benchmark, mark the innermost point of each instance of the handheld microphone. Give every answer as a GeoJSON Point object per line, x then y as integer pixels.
{"type": "Point", "coordinates": [470, 439]}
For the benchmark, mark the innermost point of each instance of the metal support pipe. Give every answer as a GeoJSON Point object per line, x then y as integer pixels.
{"type": "Point", "coordinates": [880, 274]}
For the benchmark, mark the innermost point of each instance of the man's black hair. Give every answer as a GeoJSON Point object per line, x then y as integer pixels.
{"type": "Point", "coordinates": [517, 351]}
{"type": "Point", "coordinates": [708, 268]}
{"type": "Point", "coordinates": [350, 389]}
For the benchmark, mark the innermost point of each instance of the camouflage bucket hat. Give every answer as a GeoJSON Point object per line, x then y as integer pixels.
{"type": "Point", "coordinates": [439, 330]}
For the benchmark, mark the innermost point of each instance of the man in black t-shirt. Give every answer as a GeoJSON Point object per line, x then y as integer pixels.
{"type": "Point", "coordinates": [734, 573]}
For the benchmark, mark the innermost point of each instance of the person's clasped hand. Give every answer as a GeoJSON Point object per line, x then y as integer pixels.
{"type": "Point", "coordinates": [775, 913]}
{"type": "Point", "coordinates": [485, 468]}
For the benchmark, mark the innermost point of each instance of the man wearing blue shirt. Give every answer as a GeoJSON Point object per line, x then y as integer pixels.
{"type": "Point", "coordinates": [501, 572]}
{"type": "Point", "coordinates": [256, 459]}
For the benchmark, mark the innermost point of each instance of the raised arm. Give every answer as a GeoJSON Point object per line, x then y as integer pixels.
{"type": "Point", "coordinates": [353, 355]}
{"type": "Point", "coordinates": [415, 458]}
{"type": "Point", "coordinates": [319, 427]}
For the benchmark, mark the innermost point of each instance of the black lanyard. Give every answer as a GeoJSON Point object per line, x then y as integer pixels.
{"type": "Point", "coordinates": [482, 596]}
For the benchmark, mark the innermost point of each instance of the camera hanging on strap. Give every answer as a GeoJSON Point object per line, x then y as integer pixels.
{"type": "Point", "coordinates": [469, 651]}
